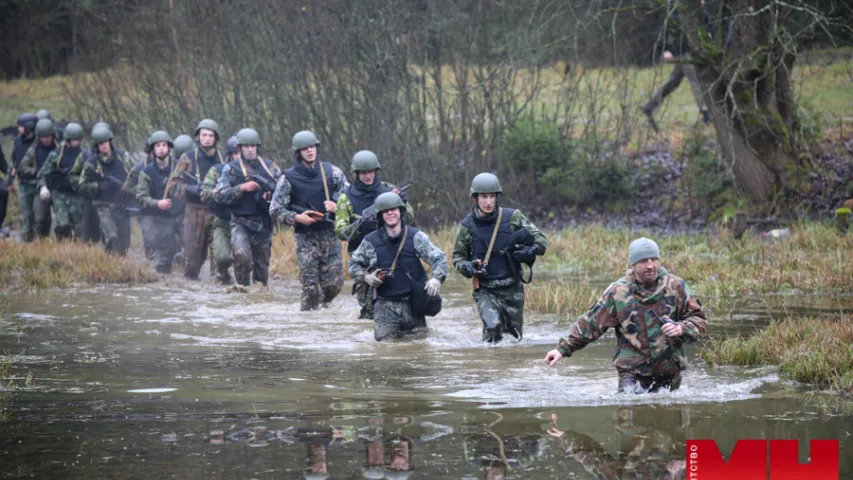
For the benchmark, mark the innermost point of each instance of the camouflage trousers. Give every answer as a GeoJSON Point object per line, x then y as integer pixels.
{"type": "Point", "coordinates": [251, 254]}
{"type": "Point", "coordinates": [630, 382]}
{"type": "Point", "coordinates": [320, 268]}
{"type": "Point", "coordinates": [115, 227]}
{"type": "Point", "coordinates": [4, 201]}
{"type": "Point", "coordinates": [222, 248]}
{"type": "Point", "coordinates": [198, 236]}
{"type": "Point", "coordinates": [91, 222]}
{"type": "Point", "coordinates": [35, 213]}
{"type": "Point", "coordinates": [501, 308]}
{"type": "Point", "coordinates": [161, 233]}
{"type": "Point", "coordinates": [393, 319]}
{"type": "Point", "coordinates": [68, 208]}
{"type": "Point", "coordinates": [364, 294]}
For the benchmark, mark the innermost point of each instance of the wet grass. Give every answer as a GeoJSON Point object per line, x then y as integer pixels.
{"type": "Point", "coordinates": [809, 350]}
{"type": "Point", "coordinates": [49, 264]}
{"type": "Point", "coordinates": [560, 297]}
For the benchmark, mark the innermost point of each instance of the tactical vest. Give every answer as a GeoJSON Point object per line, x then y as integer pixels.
{"type": "Point", "coordinates": [481, 230]}
{"type": "Point", "coordinates": [360, 200]}
{"type": "Point", "coordinates": [397, 284]}
{"type": "Point", "coordinates": [114, 168]}
{"type": "Point", "coordinates": [307, 192]}
{"type": "Point", "coordinates": [158, 189]}
{"type": "Point", "coordinates": [63, 166]}
{"type": "Point", "coordinates": [250, 204]}
{"type": "Point", "coordinates": [200, 164]}
{"type": "Point", "coordinates": [217, 208]}
{"type": "Point", "coordinates": [21, 147]}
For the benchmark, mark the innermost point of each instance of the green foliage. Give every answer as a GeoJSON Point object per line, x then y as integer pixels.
{"type": "Point", "coordinates": [707, 176]}
{"type": "Point", "coordinates": [807, 123]}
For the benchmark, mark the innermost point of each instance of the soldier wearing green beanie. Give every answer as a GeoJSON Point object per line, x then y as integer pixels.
{"type": "Point", "coordinates": [653, 313]}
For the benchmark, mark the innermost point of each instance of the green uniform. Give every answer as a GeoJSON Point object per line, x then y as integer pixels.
{"type": "Point", "coordinates": [161, 229]}
{"type": "Point", "coordinates": [35, 212]}
{"type": "Point", "coordinates": [91, 223]}
{"type": "Point", "coordinates": [68, 206]}
{"type": "Point", "coordinates": [110, 200]}
{"type": "Point", "coordinates": [221, 225]}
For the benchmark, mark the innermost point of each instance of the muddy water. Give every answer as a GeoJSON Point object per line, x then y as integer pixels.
{"type": "Point", "coordinates": [187, 381]}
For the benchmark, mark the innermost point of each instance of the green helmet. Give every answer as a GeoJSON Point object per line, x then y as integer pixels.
{"type": "Point", "coordinates": [101, 134]}
{"type": "Point", "coordinates": [208, 124]}
{"type": "Point", "coordinates": [183, 144]}
{"type": "Point", "coordinates": [160, 136]}
{"type": "Point", "coordinates": [231, 146]}
{"type": "Point", "coordinates": [485, 183]}
{"type": "Point", "coordinates": [248, 136]}
{"type": "Point", "coordinates": [44, 127]}
{"type": "Point", "coordinates": [101, 124]}
{"type": "Point", "coordinates": [364, 160]}
{"type": "Point", "coordinates": [304, 139]}
{"type": "Point", "coordinates": [74, 131]}
{"type": "Point", "coordinates": [42, 114]}
{"type": "Point", "coordinates": [387, 201]}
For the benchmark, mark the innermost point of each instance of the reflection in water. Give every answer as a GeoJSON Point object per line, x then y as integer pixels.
{"type": "Point", "coordinates": [645, 452]}
{"type": "Point", "coordinates": [500, 453]}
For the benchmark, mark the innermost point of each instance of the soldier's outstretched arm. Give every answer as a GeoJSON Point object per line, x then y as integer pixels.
{"type": "Point", "coordinates": [519, 221]}
{"type": "Point", "coordinates": [590, 326]}
{"type": "Point", "coordinates": [463, 249]}
{"type": "Point", "coordinates": [280, 203]}
{"type": "Point", "coordinates": [176, 185]}
{"type": "Point", "coordinates": [342, 215]}
{"type": "Point", "coordinates": [362, 261]}
{"type": "Point", "coordinates": [692, 316]}
{"type": "Point", "coordinates": [433, 255]}
{"type": "Point", "coordinates": [224, 192]}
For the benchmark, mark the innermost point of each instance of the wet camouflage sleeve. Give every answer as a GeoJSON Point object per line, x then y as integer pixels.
{"type": "Point", "coordinates": [86, 186]}
{"type": "Point", "coordinates": [27, 167]}
{"type": "Point", "coordinates": [49, 166]}
{"type": "Point", "coordinates": [176, 185]}
{"type": "Point", "coordinates": [342, 215]}
{"type": "Point", "coordinates": [519, 221]}
{"type": "Point", "coordinates": [691, 315]}
{"type": "Point", "coordinates": [224, 192]}
{"type": "Point", "coordinates": [463, 249]}
{"type": "Point", "coordinates": [592, 324]}
{"type": "Point", "coordinates": [338, 184]}
{"type": "Point", "coordinates": [362, 261]}
{"type": "Point", "coordinates": [76, 172]}
{"type": "Point", "coordinates": [209, 186]}
{"type": "Point", "coordinates": [433, 255]}
{"type": "Point", "coordinates": [280, 203]}
{"type": "Point", "coordinates": [143, 192]}
{"type": "Point", "coordinates": [132, 181]}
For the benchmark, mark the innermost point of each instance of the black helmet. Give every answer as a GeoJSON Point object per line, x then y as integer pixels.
{"type": "Point", "coordinates": [28, 121]}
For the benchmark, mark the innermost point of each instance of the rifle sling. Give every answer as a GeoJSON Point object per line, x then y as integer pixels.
{"type": "Point", "coordinates": [494, 236]}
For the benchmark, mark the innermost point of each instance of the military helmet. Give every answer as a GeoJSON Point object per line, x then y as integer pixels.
{"type": "Point", "coordinates": [304, 139]}
{"type": "Point", "coordinates": [28, 121]}
{"type": "Point", "coordinates": [42, 114]}
{"type": "Point", "coordinates": [45, 127]}
{"type": "Point", "coordinates": [231, 145]}
{"type": "Point", "coordinates": [148, 145]}
{"type": "Point", "coordinates": [182, 144]}
{"type": "Point", "coordinates": [73, 131]}
{"type": "Point", "coordinates": [387, 201]}
{"type": "Point", "coordinates": [101, 124]}
{"type": "Point", "coordinates": [485, 183]}
{"type": "Point", "coordinates": [208, 124]}
{"type": "Point", "coordinates": [101, 134]}
{"type": "Point", "coordinates": [248, 136]}
{"type": "Point", "coordinates": [364, 160]}
{"type": "Point", "coordinates": [161, 136]}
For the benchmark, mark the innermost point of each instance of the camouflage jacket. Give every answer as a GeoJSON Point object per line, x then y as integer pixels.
{"type": "Point", "coordinates": [28, 168]}
{"type": "Point", "coordinates": [89, 188]}
{"type": "Point", "coordinates": [345, 213]}
{"type": "Point", "coordinates": [364, 258]}
{"type": "Point", "coordinates": [228, 191]}
{"type": "Point", "coordinates": [209, 185]}
{"type": "Point", "coordinates": [463, 249]}
{"type": "Point", "coordinates": [641, 346]}
{"type": "Point", "coordinates": [177, 183]}
{"type": "Point", "coordinates": [144, 186]}
{"type": "Point", "coordinates": [280, 204]}
{"type": "Point", "coordinates": [51, 165]}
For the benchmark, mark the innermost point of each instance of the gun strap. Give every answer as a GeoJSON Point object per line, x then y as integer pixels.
{"type": "Point", "coordinates": [325, 184]}
{"type": "Point", "coordinates": [400, 248]}
{"type": "Point", "coordinates": [263, 164]}
{"type": "Point", "coordinates": [494, 236]}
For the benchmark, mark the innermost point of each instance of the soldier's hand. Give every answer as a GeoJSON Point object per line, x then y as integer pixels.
{"type": "Point", "coordinates": [372, 279]}
{"type": "Point", "coordinates": [667, 56]}
{"type": "Point", "coordinates": [267, 196]}
{"type": "Point", "coordinates": [672, 330]}
{"type": "Point", "coordinates": [164, 204]}
{"type": "Point", "coordinates": [304, 219]}
{"type": "Point", "coordinates": [433, 287]}
{"type": "Point", "coordinates": [553, 357]}
{"type": "Point", "coordinates": [249, 186]}
{"type": "Point", "coordinates": [331, 207]}
{"type": "Point", "coordinates": [44, 193]}
{"type": "Point", "coordinates": [468, 269]}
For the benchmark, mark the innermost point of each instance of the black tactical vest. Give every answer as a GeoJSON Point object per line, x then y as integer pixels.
{"type": "Point", "coordinates": [200, 164]}
{"type": "Point", "coordinates": [360, 200]}
{"type": "Point", "coordinates": [64, 165]}
{"type": "Point", "coordinates": [307, 192]}
{"type": "Point", "coordinates": [114, 168]}
{"type": "Point", "coordinates": [217, 208]}
{"type": "Point", "coordinates": [249, 204]}
{"type": "Point", "coordinates": [21, 147]}
{"type": "Point", "coordinates": [481, 229]}
{"type": "Point", "coordinates": [397, 284]}
{"type": "Point", "coordinates": [159, 178]}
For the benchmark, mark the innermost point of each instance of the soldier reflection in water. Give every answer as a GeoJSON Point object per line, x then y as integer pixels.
{"type": "Point", "coordinates": [387, 456]}
{"type": "Point", "coordinates": [646, 453]}
{"type": "Point", "coordinates": [499, 454]}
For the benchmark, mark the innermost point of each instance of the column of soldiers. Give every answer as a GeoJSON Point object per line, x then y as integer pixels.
{"type": "Point", "coordinates": [230, 201]}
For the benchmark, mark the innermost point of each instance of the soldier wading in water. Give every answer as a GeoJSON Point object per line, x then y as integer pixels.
{"type": "Point", "coordinates": [389, 260]}
{"type": "Point", "coordinates": [654, 314]}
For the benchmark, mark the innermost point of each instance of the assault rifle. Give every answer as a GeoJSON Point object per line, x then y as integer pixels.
{"type": "Point", "coordinates": [189, 178]}
{"type": "Point", "coordinates": [58, 180]}
{"type": "Point", "coordinates": [266, 185]}
{"type": "Point", "coordinates": [369, 214]}
{"type": "Point", "coordinates": [312, 212]}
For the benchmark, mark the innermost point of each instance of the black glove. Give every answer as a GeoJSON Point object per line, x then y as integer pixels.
{"type": "Point", "coordinates": [525, 255]}
{"type": "Point", "coordinates": [194, 190]}
{"type": "Point", "coordinates": [468, 269]}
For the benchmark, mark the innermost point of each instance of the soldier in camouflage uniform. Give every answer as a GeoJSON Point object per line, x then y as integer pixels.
{"type": "Point", "coordinates": [182, 144]}
{"type": "Point", "coordinates": [104, 179]}
{"type": "Point", "coordinates": [26, 136]}
{"type": "Point", "coordinates": [198, 219]}
{"type": "Point", "coordinates": [35, 204]}
{"type": "Point", "coordinates": [161, 215]}
{"type": "Point", "coordinates": [53, 177]}
{"type": "Point", "coordinates": [360, 195]}
{"type": "Point", "coordinates": [91, 222]}
{"type": "Point", "coordinates": [498, 286]}
{"type": "Point", "coordinates": [391, 267]}
{"type": "Point", "coordinates": [222, 223]}
{"type": "Point", "coordinates": [312, 185]}
{"type": "Point", "coordinates": [654, 315]}
{"type": "Point", "coordinates": [251, 225]}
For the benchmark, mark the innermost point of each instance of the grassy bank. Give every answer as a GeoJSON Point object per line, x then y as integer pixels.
{"type": "Point", "coordinates": [48, 264]}
{"type": "Point", "coordinates": [809, 350]}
